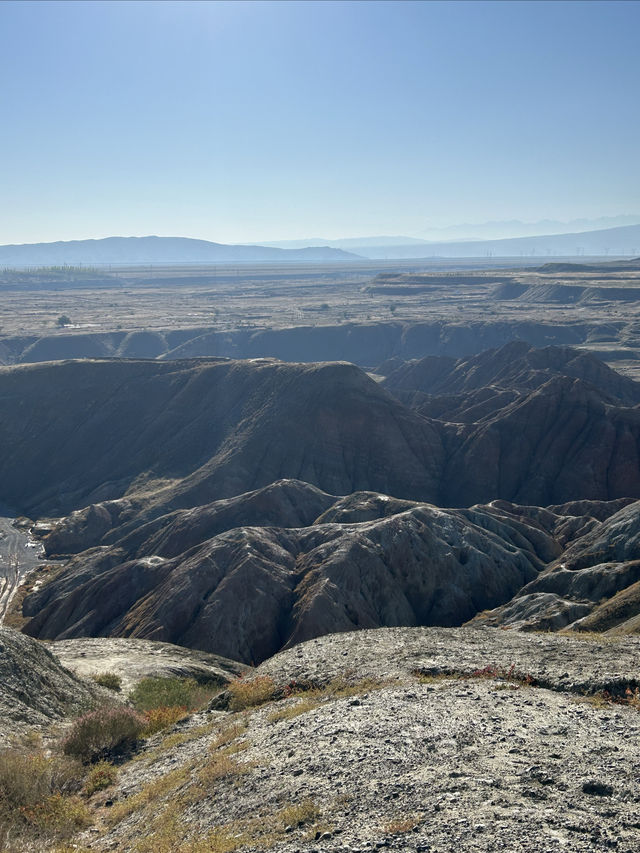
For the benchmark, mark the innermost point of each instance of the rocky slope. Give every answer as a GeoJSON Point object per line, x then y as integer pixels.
{"type": "Point", "coordinates": [198, 431]}
{"type": "Point", "coordinates": [183, 434]}
{"type": "Point", "coordinates": [366, 344]}
{"type": "Point", "coordinates": [593, 586]}
{"type": "Point", "coordinates": [35, 689]}
{"type": "Point", "coordinates": [248, 591]}
{"type": "Point", "coordinates": [517, 366]}
{"type": "Point", "coordinates": [367, 561]}
{"type": "Point", "coordinates": [471, 756]}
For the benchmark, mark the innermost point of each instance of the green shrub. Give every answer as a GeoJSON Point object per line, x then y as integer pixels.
{"type": "Point", "coordinates": [102, 775]}
{"type": "Point", "coordinates": [152, 693]}
{"type": "Point", "coordinates": [108, 679]}
{"type": "Point", "coordinates": [103, 732]}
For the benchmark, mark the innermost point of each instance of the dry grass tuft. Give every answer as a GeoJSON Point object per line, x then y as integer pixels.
{"type": "Point", "coordinates": [230, 733]}
{"type": "Point", "coordinates": [158, 719]}
{"type": "Point", "coordinates": [400, 825]}
{"type": "Point", "coordinates": [111, 680]}
{"type": "Point", "coordinates": [251, 692]}
{"type": "Point", "coordinates": [152, 793]}
{"type": "Point", "coordinates": [298, 814]}
{"type": "Point", "coordinates": [302, 706]}
{"type": "Point", "coordinates": [221, 766]}
{"type": "Point", "coordinates": [590, 636]}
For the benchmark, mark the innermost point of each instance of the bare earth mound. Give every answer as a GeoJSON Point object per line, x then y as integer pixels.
{"type": "Point", "coordinates": [134, 660]}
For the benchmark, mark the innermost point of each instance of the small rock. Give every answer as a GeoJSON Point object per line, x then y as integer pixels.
{"type": "Point", "coordinates": [596, 788]}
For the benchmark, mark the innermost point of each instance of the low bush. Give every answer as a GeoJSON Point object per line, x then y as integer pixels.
{"type": "Point", "coordinates": [108, 679]}
{"type": "Point", "coordinates": [58, 816]}
{"type": "Point", "coordinates": [28, 777]}
{"type": "Point", "coordinates": [104, 732]}
{"type": "Point", "coordinates": [251, 692]}
{"type": "Point", "coordinates": [38, 796]}
{"type": "Point", "coordinates": [157, 692]}
{"type": "Point", "coordinates": [101, 776]}
{"type": "Point", "coordinates": [162, 718]}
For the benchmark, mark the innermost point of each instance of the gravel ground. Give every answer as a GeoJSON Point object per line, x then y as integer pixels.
{"type": "Point", "coordinates": [438, 764]}
{"type": "Point", "coordinates": [574, 663]}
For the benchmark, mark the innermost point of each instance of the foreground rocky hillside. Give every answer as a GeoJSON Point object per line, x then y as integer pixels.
{"type": "Point", "coordinates": [35, 689]}
{"type": "Point", "coordinates": [407, 739]}
{"type": "Point", "coordinates": [422, 739]}
{"type": "Point", "coordinates": [42, 685]}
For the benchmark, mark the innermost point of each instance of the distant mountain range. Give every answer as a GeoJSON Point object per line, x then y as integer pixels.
{"type": "Point", "coordinates": [611, 242]}
{"type": "Point", "coordinates": [156, 250]}
{"type": "Point", "coordinates": [503, 229]}
{"type": "Point", "coordinates": [623, 240]}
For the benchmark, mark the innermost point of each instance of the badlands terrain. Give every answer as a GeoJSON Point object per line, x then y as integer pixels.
{"type": "Point", "coordinates": [361, 311]}
{"type": "Point", "coordinates": [243, 472]}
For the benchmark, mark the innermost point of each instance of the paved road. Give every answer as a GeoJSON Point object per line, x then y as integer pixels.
{"type": "Point", "coordinates": [18, 555]}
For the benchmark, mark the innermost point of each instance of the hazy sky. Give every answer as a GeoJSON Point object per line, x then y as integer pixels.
{"type": "Point", "coordinates": [243, 121]}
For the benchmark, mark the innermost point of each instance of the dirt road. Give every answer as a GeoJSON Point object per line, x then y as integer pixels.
{"type": "Point", "coordinates": [18, 555]}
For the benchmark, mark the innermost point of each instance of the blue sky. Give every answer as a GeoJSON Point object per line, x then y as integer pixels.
{"type": "Point", "coordinates": [242, 121]}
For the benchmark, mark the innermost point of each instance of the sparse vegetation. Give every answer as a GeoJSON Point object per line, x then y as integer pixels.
{"type": "Point", "coordinates": [158, 719]}
{"type": "Point", "coordinates": [510, 675]}
{"type": "Point", "coordinates": [629, 696]}
{"type": "Point", "coordinates": [108, 679]}
{"type": "Point", "coordinates": [177, 739]}
{"type": "Point", "coordinates": [302, 706]}
{"type": "Point", "coordinates": [401, 824]}
{"type": "Point", "coordinates": [432, 678]}
{"type": "Point", "coordinates": [39, 799]}
{"type": "Point", "coordinates": [251, 692]}
{"type": "Point", "coordinates": [298, 814]}
{"type": "Point", "coordinates": [154, 693]}
{"type": "Point", "coordinates": [221, 766]}
{"type": "Point", "coordinates": [590, 636]}
{"type": "Point", "coordinates": [102, 733]}
{"type": "Point", "coordinates": [230, 733]}
{"type": "Point", "coordinates": [102, 775]}
{"type": "Point", "coordinates": [153, 792]}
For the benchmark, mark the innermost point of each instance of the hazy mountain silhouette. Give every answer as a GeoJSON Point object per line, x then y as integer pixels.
{"type": "Point", "coordinates": [156, 250]}
{"type": "Point", "coordinates": [623, 240]}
